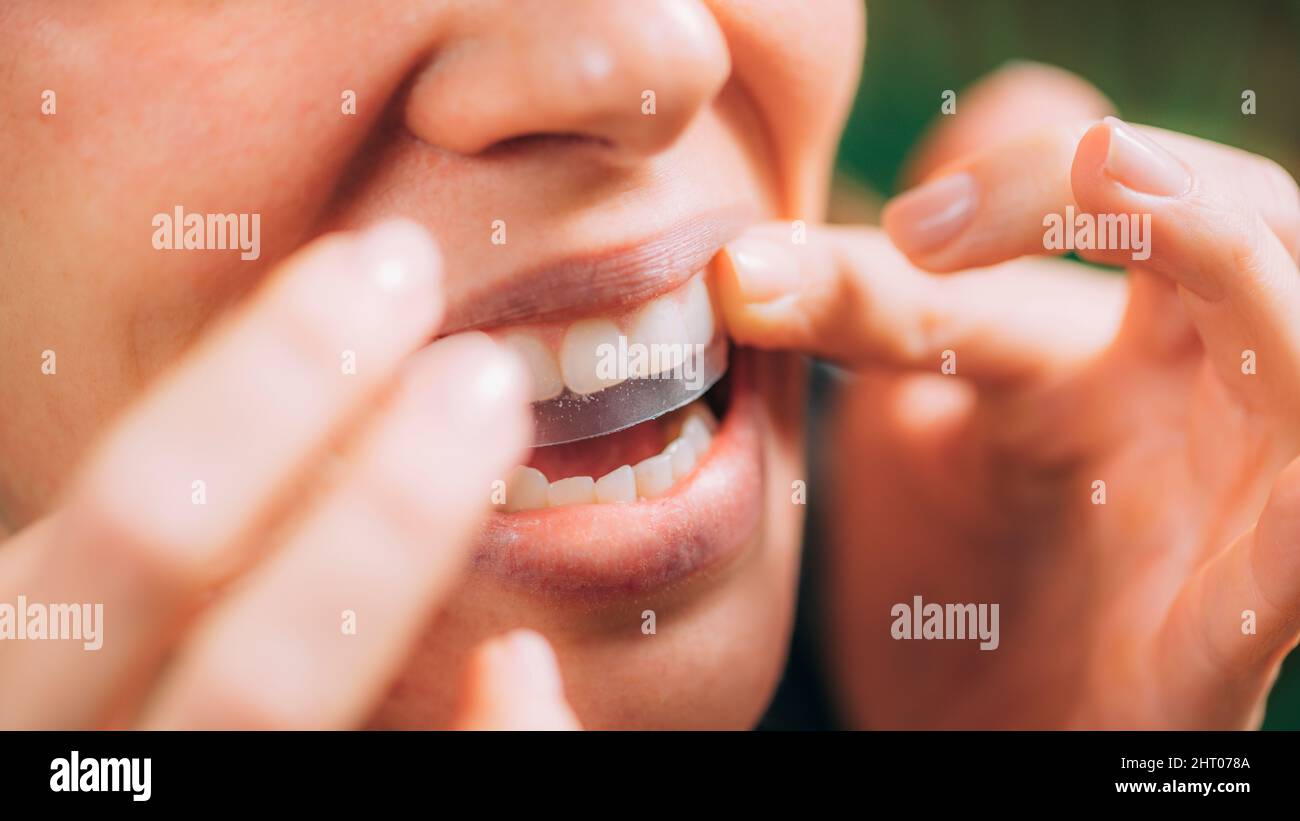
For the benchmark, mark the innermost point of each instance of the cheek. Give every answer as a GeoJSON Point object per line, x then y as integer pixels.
{"type": "Point", "coordinates": [230, 109]}
{"type": "Point", "coordinates": [225, 109]}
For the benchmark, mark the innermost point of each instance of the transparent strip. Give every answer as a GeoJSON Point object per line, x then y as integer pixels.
{"type": "Point", "coordinates": [571, 417]}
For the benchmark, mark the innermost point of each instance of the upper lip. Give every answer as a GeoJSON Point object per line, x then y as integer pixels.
{"type": "Point", "coordinates": [604, 281]}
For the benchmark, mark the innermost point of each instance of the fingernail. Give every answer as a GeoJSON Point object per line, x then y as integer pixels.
{"type": "Point", "coordinates": [533, 661]}
{"type": "Point", "coordinates": [1136, 161]}
{"type": "Point", "coordinates": [765, 269]}
{"type": "Point", "coordinates": [502, 375]}
{"type": "Point", "coordinates": [479, 388]}
{"type": "Point", "coordinates": [485, 374]}
{"type": "Point", "coordinates": [399, 257]}
{"type": "Point", "coordinates": [929, 217]}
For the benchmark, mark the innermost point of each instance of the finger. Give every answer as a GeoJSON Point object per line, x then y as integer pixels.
{"type": "Point", "coordinates": [1238, 282]}
{"type": "Point", "coordinates": [1019, 98]}
{"type": "Point", "coordinates": [513, 683]}
{"type": "Point", "coordinates": [988, 207]}
{"type": "Point", "coordinates": [379, 548]}
{"type": "Point", "coordinates": [165, 502]}
{"type": "Point", "coordinates": [1002, 202]}
{"type": "Point", "coordinates": [846, 294]}
{"type": "Point", "coordinates": [21, 554]}
{"type": "Point", "coordinates": [1235, 621]}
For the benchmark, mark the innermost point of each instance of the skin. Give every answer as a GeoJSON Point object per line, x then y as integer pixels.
{"type": "Point", "coordinates": [466, 112]}
{"type": "Point", "coordinates": [1126, 614]}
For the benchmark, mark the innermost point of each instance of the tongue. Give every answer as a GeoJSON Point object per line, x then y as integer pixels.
{"type": "Point", "coordinates": [597, 456]}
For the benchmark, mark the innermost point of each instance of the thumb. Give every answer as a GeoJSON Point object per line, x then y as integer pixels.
{"type": "Point", "coordinates": [513, 683]}
{"type": "Point", "coordinates": [1017, 99]}
{"type": "Point", "coordinates": [1239, 616]}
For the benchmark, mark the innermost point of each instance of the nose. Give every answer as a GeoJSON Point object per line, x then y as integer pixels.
{"type": "Point", "coordinates": [630, 75]}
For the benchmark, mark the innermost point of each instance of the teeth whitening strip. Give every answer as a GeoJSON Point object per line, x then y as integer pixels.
{"type": "Point", "coordinates": [570, 416]}
{"type": "Point", "coordinates": [599, 375]}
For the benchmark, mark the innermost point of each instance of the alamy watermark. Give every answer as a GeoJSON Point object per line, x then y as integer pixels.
{"type": "Point", "coordinates": [179, 231]}
{"type": "Point", "coordinates": [53, 622]}
{"type": "Point", "coordinates": [77, 774]}
{"type": "Point", "coordinates": [1099, 232]}
{"type": "Point", "coordinates": [654, 360]}
{"type": "Point", "coordinates": [955, 622]}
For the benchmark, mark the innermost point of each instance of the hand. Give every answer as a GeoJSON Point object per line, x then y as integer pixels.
{"type": "Point", "coordinates": [1171, 604]}
{"type": "Point", "coordinates": [262, 495]}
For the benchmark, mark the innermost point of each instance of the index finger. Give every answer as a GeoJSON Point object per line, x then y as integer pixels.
{"type": "Point", "coordinates": [848, 295]}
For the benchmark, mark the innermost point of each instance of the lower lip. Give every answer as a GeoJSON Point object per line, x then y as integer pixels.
{"type": "Point", "coordinates": [621, 549]}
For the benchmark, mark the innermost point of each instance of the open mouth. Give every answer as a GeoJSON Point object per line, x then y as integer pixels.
{"type": "Point", "coordinates": [603, 389]}
{"type": "Point", "coordinates": [649, 502]}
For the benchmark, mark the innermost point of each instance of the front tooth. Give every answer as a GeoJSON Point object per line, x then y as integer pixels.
{"type": "Point", "coordinates": [696, 431]}
{"type": "Point", "coordinates": [659, 327]}
{"type": "Point", "coordinates": [654, 476]}
{"type": "Point", "coordinates": [576, 490]}
{"type": "Point", "coordinates": [547, 383]}
{"type": "Point", "coordinates": [697, 312]}
{"type": "Point", "coordinates": [526, 489]}
{"type": "Point", "coordinates": [682, 454]}
{"type": "Point", "coordinates": [619, 485]}
{"type": "Point", "coordinates": [582, 355]}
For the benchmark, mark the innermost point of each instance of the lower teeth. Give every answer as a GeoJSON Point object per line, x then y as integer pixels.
{"type": "Point", "coordinates": [691, 432]}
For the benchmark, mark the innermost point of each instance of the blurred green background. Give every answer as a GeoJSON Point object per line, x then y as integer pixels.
{"type": "Point", "coordinates": [1178, 65]}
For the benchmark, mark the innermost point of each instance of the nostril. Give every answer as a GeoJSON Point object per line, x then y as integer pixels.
{"type": "Point", "coordinates": [543, 141]}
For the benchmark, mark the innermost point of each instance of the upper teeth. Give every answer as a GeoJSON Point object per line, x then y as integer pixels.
{"type": "Point", "coordinates": [569, 356]}
{"type": "Point", "coordinates": [529, 489]}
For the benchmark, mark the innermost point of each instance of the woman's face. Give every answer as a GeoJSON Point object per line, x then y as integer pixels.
{"type": "Point", "coordinates": [573, 160]}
